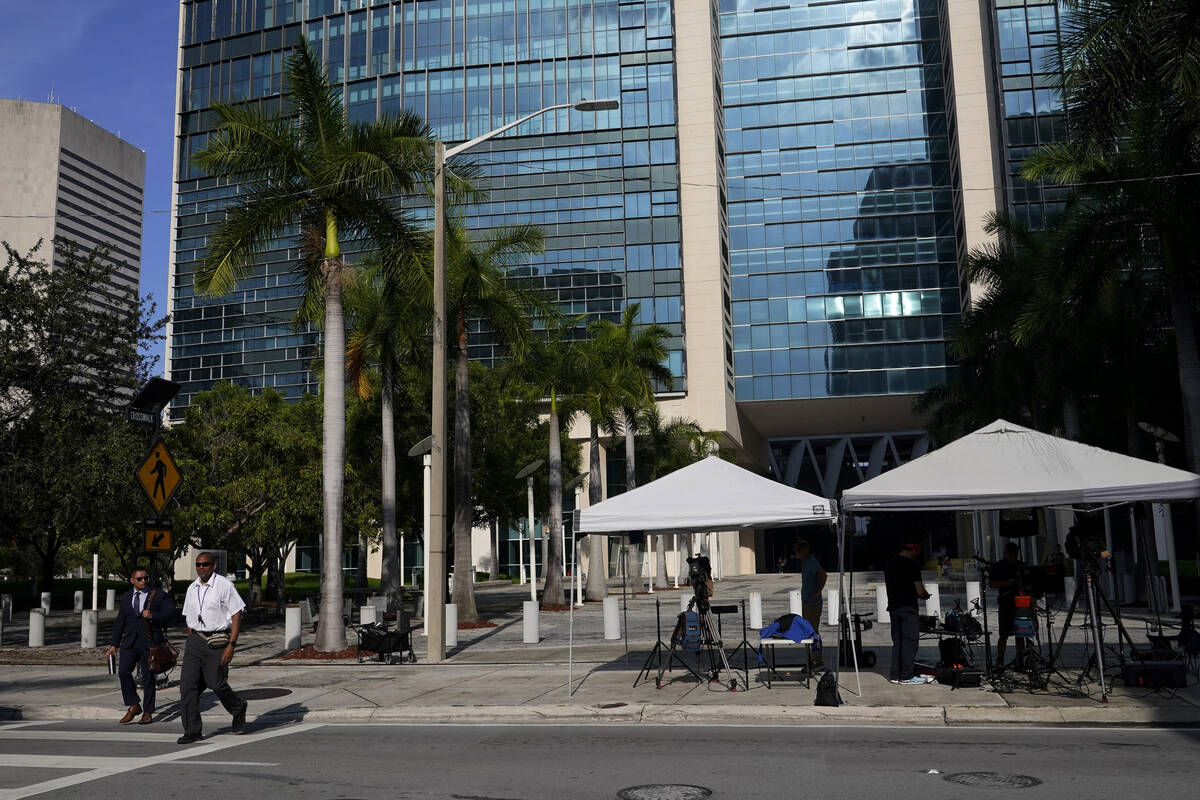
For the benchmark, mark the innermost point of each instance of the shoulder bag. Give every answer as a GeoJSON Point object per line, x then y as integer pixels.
{"type": "Point", "coordinates": [163, 656]}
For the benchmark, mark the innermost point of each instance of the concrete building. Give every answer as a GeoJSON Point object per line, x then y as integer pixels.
{"type": "Point", "coordinates": [788, 186]}
{"type": "Point", "coordinates": [64, 176]}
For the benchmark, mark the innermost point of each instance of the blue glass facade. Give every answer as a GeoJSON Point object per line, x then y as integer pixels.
{"type": "Point", "coordinates": [1027, 33]}
{"type": "Point", "coordinates": [604, 186]}
{"type": "Point", "coordinates": [840, 197]}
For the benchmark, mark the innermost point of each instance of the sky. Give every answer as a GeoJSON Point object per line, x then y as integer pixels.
{"type": "Point", "coordinates": [113, 62]}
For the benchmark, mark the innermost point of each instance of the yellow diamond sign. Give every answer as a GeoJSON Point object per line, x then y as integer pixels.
{"type": "Point", "coordinates": [159, 476]}
{"type": "Point", "coordinates": [158, 537]}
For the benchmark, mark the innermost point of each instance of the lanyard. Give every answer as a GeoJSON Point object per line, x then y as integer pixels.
{"type": "Point", "coordinates": [203, 593]}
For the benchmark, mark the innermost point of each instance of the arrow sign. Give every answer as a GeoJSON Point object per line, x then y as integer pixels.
{"type": "Point", "coordinates": [158, 536]}
{"type": "Point", "coordinates": [158, 476]}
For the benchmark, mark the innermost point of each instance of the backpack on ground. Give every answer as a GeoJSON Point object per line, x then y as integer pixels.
{"type": "Point", "coordinates": [827, 691]}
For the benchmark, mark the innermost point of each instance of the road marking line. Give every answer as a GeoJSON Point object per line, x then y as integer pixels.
{"type": "Point", "coordinates": [232, 763]}
{"type": "Point", "coordinates": [130, 764]}
{"type": "Point", "coordinates": [91, 736]}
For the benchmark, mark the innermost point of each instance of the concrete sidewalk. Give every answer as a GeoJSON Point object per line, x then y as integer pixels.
{"type": "Point", "coordinates": [574, 676]}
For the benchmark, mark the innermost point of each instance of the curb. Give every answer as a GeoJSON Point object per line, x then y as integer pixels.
{"type": "Point", "coordinates": [619, 713]}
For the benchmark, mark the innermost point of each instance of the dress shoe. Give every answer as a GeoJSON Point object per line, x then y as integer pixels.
{"type": "Point", "coordinates": [188, 738]}
{"type": "Point", "coordinates": [239, 719]}
{"type": "Point", "coordinates": [146, 719]}
{"type": "Point", "coordinates": [131, 714]}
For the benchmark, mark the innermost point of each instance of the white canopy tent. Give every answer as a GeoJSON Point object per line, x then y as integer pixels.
{"type": "Point", "coordinates": [1003, 465]}
{"type": "Point", "coordinates": [710, 495]}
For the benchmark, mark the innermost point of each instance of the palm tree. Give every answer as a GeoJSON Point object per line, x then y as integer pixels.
{"type": "Point", "coordinates": [388, 330]}
{"type": "Point", "coordinates": [635, 356]}
{"type": "Point", "coordinates": [1132, 90]}
{"type": "Point", "coordinates": [599, 397]}
{"type": "Point", "coordinates": [557, 364]}
{"type": "Point", "coordinates": [335, 179]}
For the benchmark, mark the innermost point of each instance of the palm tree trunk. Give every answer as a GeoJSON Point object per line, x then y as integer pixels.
{"type": "Point", "coordinates": [390, 577]}
{"type": "Point", "coordinates": [464, 569]}
{"type": "Point", "coordinates": [552, 592]}
{"type": "Point", "coordinates": [634, 567]}
{"type": "Point", "coordinates": [493, 532]}
{"type": "Point", "coordinates": [331, 632]}
{"type": "Point", "coordinates": [597, 575]}
{"type": "Point", "coordinates": [1183, 316]}
{"type": "Point", "coordinates": [1071, 424]}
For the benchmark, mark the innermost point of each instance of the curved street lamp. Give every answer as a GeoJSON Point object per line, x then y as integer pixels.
{"type": "Point", "coordinates": [435, 600]}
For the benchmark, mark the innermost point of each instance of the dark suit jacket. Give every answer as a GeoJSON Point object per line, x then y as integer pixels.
{"type": "Point", "coordinates": [129, 629]}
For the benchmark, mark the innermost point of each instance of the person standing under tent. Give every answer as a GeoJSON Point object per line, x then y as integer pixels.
{"type": "Point", "coordinates": [1006, 578]}
{"type": "Point", "coordinates": [902, 575]}
{"type": "Point", "coordinates": [812, 583]}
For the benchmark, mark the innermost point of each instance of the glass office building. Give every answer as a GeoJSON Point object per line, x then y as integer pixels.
{"type": "Point", "coordinates": [788, 185]}
{"type": "Point", "coordinates": [604, 186]}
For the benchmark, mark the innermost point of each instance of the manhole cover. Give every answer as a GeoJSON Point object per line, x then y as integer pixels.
{"type": "Point", "coordinates": [263, 694]}
{"type": "Point", "coordinates": [994, 780]}
{"type": "Point", "coordinates": [663, 791]}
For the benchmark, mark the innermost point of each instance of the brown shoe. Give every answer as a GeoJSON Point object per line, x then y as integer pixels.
{"type": "Point", "coordinates": [146, 719]}
{"type": "Point", "coordinates": [130, 714]}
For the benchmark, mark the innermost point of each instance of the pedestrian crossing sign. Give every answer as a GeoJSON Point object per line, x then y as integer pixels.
{"type": "Point", "coordinates": [159, 476]}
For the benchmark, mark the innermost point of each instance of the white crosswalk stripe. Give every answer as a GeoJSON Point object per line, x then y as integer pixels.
{"type": "Point", "coordinates": [95, 767]}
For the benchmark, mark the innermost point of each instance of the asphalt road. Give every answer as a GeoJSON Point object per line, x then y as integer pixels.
{"type": "Point", "coordinates": [81, 760]}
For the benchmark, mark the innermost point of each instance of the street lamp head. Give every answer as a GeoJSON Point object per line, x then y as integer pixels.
{"type": "Point", "coordinates": [1157, 432]}
{"type": "Point", "coordinates": [532, 468]}
{"type": "Point", "coordinates": [596, 105]}
{"type": "Point", "coordinates": [422, 447]}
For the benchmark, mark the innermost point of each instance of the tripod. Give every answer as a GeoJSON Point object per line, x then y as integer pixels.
{"type": "Point", "coordinates": [710, 642]}
{"type": "Point", "coordinates": [1095, 595]}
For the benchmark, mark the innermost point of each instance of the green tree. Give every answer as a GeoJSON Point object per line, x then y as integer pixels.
{"type": "Point", "coordinates": [253, 467]}
{"type": "Point", "coordinates": [336, 179]}
{"type": "Point", "coordinates": [71, 348]}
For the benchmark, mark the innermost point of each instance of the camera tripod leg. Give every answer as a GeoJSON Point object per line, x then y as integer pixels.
{"type": "Point", "coordinates": [715, 643]}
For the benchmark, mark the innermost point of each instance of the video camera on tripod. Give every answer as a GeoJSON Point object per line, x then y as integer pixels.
{"type": "Point", "coordinates": [1085, 543]}
{"type": "Point", "coordinates": [700, 577]}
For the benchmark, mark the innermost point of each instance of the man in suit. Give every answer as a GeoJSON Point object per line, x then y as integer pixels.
{"type": "Point", "coordinates": [140, 617]}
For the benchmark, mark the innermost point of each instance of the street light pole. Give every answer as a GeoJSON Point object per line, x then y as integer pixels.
{"type": "Point", "coordinates": [435, 599]}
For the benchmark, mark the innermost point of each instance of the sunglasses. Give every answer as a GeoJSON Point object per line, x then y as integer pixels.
{"type": "Point", "coordinates": [143, 578]}
{"type": "Point", "coordinates": [204, 563]}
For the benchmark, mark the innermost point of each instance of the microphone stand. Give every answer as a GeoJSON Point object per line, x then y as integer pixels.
{"type": "Point", "coordinates": [984, 566]}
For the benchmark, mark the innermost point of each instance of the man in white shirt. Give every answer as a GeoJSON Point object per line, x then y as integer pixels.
{"type": "Point", "coordinates": [213, 611]}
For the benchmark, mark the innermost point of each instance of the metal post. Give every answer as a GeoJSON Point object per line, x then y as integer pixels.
{"type": "Point", "coordinates": [435, 586]}
{"type": "Point", "coordinates": [532, 550]}
{"type": "Point", "coordinates": [427, 469]}
{"type": "Point", "coordinates": [95, 579]}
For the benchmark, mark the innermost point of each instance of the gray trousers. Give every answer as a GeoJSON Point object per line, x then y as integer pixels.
{"type": "Point", "coordinates": [202, 669]}
{"type": "Point", "coordinates": [906, 634]}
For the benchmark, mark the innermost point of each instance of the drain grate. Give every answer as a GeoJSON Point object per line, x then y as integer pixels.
{"type": "Point", "coordinates": [993, 780]}
{"type": "Point", "coordinates": [664, 791]}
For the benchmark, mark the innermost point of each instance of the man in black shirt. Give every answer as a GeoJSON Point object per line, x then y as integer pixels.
{"type": "Point", "coordinates": [904, 588]}
{"type": "Point", "coordinates": [1006, 578]}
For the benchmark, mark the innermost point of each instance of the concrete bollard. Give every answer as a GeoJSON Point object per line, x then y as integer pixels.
{"type": "Point", "coordinates": [684, 599]}
{"type": "Point", "coordinates": [972, 595]}
{"type": "Point", "coordinates": [1069, 589]}
{"type": "Point", "coordinates": [291, 628]}
{"type": "Point", "coordinates": [881, 604]}
{"type": "Point", "coordinates": [831, 604]}
{"type": "Point", "coordinates": [529, 610]}
{"type": "Point", "coordinates": [89, 629]}
{"type": "Point", "coordinates": [77, 605]}
{"type": "Point", "coordinates": [37, 628]}
{"type": "Point", "coordinates": [46, 603]}
{"type": "Point", "coordinates": [795, 604]}
{"type": "Point", "coordinates": [5, 608]}
{"type": "Point", "coordinates": [110, 599]}
{"type": "Point", "coordinates": [451, 625]}
{"type": "Point", "coordinates": [612, 618]}
{"type": "Point", "coordinates": [421, 613]}
{"type": "Point", "coordinates": [933, 606]}
{"type": "Point", "coordinates": [366, 615]}
{"type": "Point", "coordinates": [756, 610]}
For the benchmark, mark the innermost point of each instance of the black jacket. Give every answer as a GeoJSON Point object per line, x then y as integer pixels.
{"type": "Point", "coordinates": [129, 629]}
